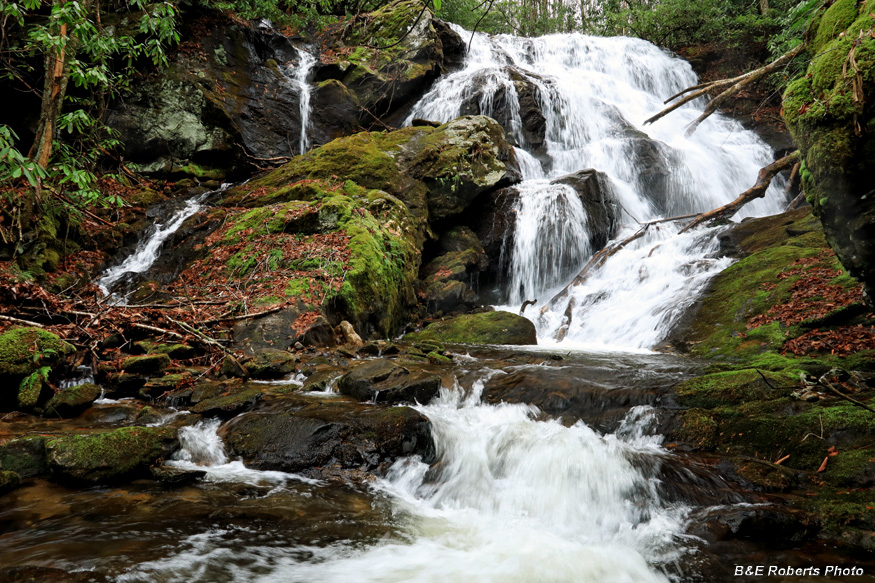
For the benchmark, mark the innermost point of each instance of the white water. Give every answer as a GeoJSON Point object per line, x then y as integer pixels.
{"type": "Point", "coordinates": [149, 248]}
{"type": "Point", "coordinates": [595, 94]}
{"type": "Point", "coordinates": [299, 74]}
{"type": "Point", "coordinates": [513, 500]}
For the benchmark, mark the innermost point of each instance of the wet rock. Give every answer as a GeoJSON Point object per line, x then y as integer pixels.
{"type": "Point", "coordinates": [447, 278]}
{"type": "Point", "coordinates": [33, 574]}
{"type": "Point", "coordinates": [495, 226]}
{"type": "Point", "coordinates": [229, 402]}
{"type": "Point", "coordinates": [385, 382]}
{"type": "Point", "coordinates": [270, 363]}
{"type": "Point", "coordinates": [525, 95]}
{"type": "Point", "coordinates": [386, 82]}
{"type": "Point", "coordinates": [484, 328]}
{"type": "Point", "coordinates": [320, 380]}
{"type": "Point", "coordinates": [109, 456]}
{"type": "Point", "coordinates": [339, 433]}
{"type": "Point", "coordinates": [156, 387]}
{"type": "Point", "coordinates": [175, 351]}
{"type": "Point", "coordinates": [453, 176]}
{"type": "Point", "coordinates": [602, 208]}
{"type": "Point", "coordinates": [172, 476]}
{"type": "Point", "coordinates": [72, 401]}
{"type": "Point", "coordinates": [231, 367]}
{"type": "Point", "coordinates": [150, 364]}
{"type": "Point", "coordinates": [26, 456]}
{"type": "Point", "coordinates": [277, 331]}
{"type": "Point", "coordinates": [764, 524]}
{"type": "Point", "coordinates": [124, 384]}
{"type": "Point", "coordinates": [562, 395]}
{"type": "Point", "coordinates": [9, 481]}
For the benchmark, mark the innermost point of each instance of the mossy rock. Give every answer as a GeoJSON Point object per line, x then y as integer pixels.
{"type": "Point", "coordinates": [150, 364]}
{"type": "Point", "coordinates": [717, 327]}
{"type": "Point", "coordinates": [72, 401]}
{"type": "Point", "coordinates": [827, 110]}
{"type": "Point", "coordinates": [9, 481]}
{"type": "Point", "coordinates": [25, 352]}
{"type": "Point", "coordinates": [25, 456]}
{"type": "Point", "coordinates": [109, 456]}
{"type": "Point", "coordinates": [734, 388]}
{"type": "Point", "coordinates": [485, 328]}
{"type": "Point", "coordinates": [271, 364]}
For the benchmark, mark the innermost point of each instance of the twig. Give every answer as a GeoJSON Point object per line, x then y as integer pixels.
{"type": "Point", "coordinates": [20, 321]}
{"type": "Point", "coordinates": [159, 330]}
{"type": "Point", "coordinates": [771, 386]}
{"type": "Point", "coordinates": [199, 334]}
{"type": "Point", "coordinates": [829, 386]}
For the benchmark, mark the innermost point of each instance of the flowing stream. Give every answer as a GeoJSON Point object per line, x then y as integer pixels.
{"type": "Point", "coordinates": [594, 94]}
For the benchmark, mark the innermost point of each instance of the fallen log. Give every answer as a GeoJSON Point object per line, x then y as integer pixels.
{"type": "Point", "coordinates": [727, 88]}
{"type": "Point", "coordinates": [758, 190]}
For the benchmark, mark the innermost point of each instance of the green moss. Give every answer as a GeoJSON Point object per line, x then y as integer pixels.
{"type": "Point", "coordinates": [108, 456]}
{"type": "Point", "coordinates": [25, 456]}
{"type": "Point", "coordinates": [24, 350]}
{"type": "Point", "coordinates": [849, 468]}
{"type": "Point", "coordinates": [734, 388]}
{"type": "Point", "coordinates": [149, 364]}
{"type": "Point", "coordinates": [839, 511]}
{"type": "Point", "coordinates": [697, 428]}
{"type": "Point", "coordinates": [233, 400]}
{"type": "Point", "coordinates": [836, 19]}
{"type": "Point", "coordinates": [31, 387]}
{"type": "Point", "coordinates": [484, 328]}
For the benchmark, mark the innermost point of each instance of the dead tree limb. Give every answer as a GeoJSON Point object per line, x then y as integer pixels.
{"type": "Point", "coordinates": [758, 190]}
{"type": "Point", "coordinates": [158, 330]}
{"type": "Point", "coordinates": [20, 321]}
{"type": "Point", "coordinates": [727, 88]}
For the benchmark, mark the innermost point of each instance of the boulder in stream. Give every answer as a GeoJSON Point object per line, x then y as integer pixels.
{"type": "Point", "coordinates": [384, 381]}
{"type": "Point", "coordinates": [484, 328]}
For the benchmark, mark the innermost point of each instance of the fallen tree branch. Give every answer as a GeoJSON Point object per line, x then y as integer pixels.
{"type": "Point", "coordinates": [727, 88]}
{"type": "Point", "coordinates": [199, 334]}
{"type": "Point", "coordinates": [829, 385]}
{"type": "Point", "coordinates": [159, 330]}
{"type": "Point", "coordinates": [20, 321]}
{"type": "Point", "coordinates": [758, 190]}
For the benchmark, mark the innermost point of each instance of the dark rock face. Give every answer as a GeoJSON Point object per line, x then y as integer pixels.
{"type": "Point", "coordinates": [526, 94]}
{"type": "Point", "coordinates": [278, 332]}
{"type": "Point", "coordinates": [72, 401]}
{"type": "Point", "coordinates": [384, 381]}
{"type": "Point", "coordinates": [298, 435]}
{"type": "Point", "coordinates": [601, 206]}
{"type": "Point", "coordinates": [450, 279]}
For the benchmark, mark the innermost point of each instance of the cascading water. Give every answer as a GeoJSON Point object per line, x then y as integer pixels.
{"type": "Point", "coordinates": [149, 247]}
{"type": "Point", "coordinates": [593, 95]}
{"type": "Point", "coordinates": [299, 73]}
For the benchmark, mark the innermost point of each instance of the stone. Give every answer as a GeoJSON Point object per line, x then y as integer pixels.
{"type": "Point", "coordinates": [383, 381]}
{"type": "Point", "coordinates": [228, 403]}
{"type": "Point", "coordinates": [172, 476]}
{"type": "Point", "coordinates": [270, 363]}
{"type": "Point", "coordinates": [109, 456]}
{"type": "Point", "coordinates": [26, 456]}
{"type": "Point", "coordinates": [484, 328]}
{"type": "Point", "coordinates": [9, 481]}
{"type": "Point", "coordinates": [599, 201]}
{"type": "Point", "coordinates": [300, 435]}
{"type": "Point", "coordinates": [350, 336]}
{"type": "Point", "coordinates": [72, 401]}
{"type": "Point", "coordinates": [150, 364]}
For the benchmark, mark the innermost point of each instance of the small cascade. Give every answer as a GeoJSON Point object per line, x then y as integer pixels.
{"type": "Point", "coordinates": [84, 375]}
{"type": "Point", "coordinates": [551, 248]}
{"type": "Point", "coordinates": [201, 444]}
{"type": "Point", "coordinates": [515, 499]}
{"type": "Point", "coordinates": [202, 449]}
{"type": "Point", "coordinates": [299, 73]}
{"type": "Point", "coordinates": [592, 95]}
{"type": "Point", "coordinates": [149, 247]}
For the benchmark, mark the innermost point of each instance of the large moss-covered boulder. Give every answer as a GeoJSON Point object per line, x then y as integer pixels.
{"type": "Point", "coordinates": [448, 280]}
{"type": "Point", "coordinates": [109, 456]}
{"type": "Point", "coordinates": [830, 113]}
{"type": "Point", "coordinates": [384, 381]}
{"type": "Point", "coordinates": [484, 328]}
{"type": "Point", "coordinates": [26, 358]}
{"type": "Point", "coordinates": [26, 456]}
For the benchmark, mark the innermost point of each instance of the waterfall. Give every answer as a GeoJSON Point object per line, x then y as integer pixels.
{"type": "Point", "coordinates": [149, 247]}
{"type": "Point", "coordinates": [298, 75]}
{"type": "Point", "coordinates": [593, 95]}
